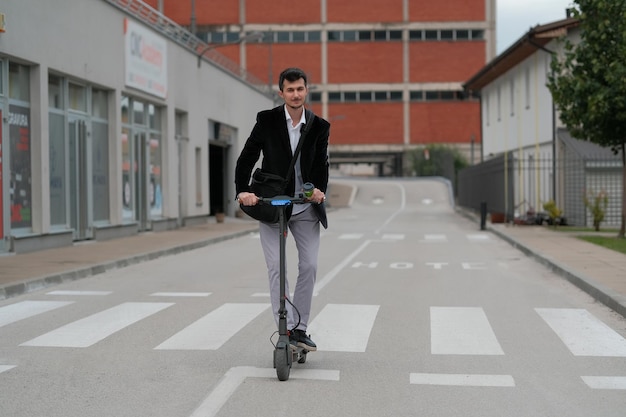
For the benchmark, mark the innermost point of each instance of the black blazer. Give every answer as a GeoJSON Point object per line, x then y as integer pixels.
{"type": "Point", "coordinates": [271, 137]}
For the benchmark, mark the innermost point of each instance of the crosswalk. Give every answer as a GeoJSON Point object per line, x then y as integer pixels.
{"type": "Point", "coordinates": [454, 330]}
{"type": "Point", "coordinates": [336, 328]}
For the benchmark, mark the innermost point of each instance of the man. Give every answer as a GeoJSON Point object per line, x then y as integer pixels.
{"type": "Point", "coordinates": [276, 134]}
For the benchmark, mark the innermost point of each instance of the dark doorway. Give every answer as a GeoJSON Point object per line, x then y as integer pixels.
{"type": "Point", "coordinates": [217, 176]}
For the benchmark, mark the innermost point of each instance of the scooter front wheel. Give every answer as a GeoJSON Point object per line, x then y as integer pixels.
{"type": "Point", "coordinates": [281, 363]}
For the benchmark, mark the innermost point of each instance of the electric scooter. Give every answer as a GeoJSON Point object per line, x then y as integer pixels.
{"type": "Point", "coordinates": [284, 352]}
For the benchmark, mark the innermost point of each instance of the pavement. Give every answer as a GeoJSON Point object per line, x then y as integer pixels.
{"type": "Point", "coordinates": [596, 270]}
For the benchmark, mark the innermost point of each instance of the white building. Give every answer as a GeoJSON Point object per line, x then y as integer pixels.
{"type": "Point", "coordinates": [112, 123]}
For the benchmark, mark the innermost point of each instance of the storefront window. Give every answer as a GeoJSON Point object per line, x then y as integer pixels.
{"type": "Point", "coordinates": [20, 143]}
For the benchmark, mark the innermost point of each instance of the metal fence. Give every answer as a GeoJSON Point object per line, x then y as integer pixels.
{"type": "Point", "coordinates": [517, 183]}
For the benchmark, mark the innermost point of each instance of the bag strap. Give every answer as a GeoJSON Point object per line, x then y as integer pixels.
{"type": "Point", "coordinates": [308, 122]}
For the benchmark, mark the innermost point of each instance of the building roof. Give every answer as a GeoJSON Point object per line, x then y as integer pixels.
{"type": "Point", "coordinates": [536, 38]}
{"type": "Point", "coordinates": [586, 148]}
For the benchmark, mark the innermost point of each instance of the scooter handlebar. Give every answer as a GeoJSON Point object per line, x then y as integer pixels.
{"type": "Point", "coordinates": [283, 200]}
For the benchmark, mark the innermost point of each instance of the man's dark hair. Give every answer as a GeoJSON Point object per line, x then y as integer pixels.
{"type": "Point", "coordinates": [291, 75]}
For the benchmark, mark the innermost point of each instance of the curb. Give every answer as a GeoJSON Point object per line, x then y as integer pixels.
{"type": "Point", "coordinates": [35, 284]}
{"type": "Point", "coordinates": [606, 296]}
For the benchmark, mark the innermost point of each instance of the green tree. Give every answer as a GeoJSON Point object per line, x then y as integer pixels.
{"type": "Point", "coordinates": [588, 79]}
{"type": "Point", "coordinates": [438, 160]}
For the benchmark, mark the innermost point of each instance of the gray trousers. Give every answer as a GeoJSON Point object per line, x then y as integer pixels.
{"type": "Point", "coordinates": [305, 229]}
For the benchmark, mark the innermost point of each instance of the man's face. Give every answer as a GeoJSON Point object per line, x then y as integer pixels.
{"type": "Point", "coordinates": [294, 93]}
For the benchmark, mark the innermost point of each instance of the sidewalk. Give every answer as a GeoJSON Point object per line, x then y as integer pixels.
{"type": "Point", "coordinates": [26, 272]}
{"type": "Point", "coordinates": [598, 271]}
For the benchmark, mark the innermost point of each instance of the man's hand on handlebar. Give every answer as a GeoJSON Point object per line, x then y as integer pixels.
{"type": "Point", "coordinates": [247, 199]}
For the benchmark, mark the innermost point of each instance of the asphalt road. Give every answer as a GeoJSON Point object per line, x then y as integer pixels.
{"type": "Point", "coordinates": [416, 313]}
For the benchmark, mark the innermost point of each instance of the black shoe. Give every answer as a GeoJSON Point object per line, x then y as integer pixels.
{"type": "Point", "coordinates": [299, 338]}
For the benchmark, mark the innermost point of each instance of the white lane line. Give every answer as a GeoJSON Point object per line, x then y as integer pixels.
{"type": "Point", "coordinates": [343, 327]}
{"type": "Point", "coordinates": [216, 328]}
{"type": "Point", "coordinates": [332, 274]}
{"type": "Point", "coordinates": [583, 333]}
{"type": "Point", "coordinates": [25, 309]}
{"type": "Point", "coordinates": [90, 330]}
{"type": "Point", "coordinates": [393, 236]}
{"type": "Point", "coordinates": [462, 380]}
{"type": "Point", "coordinates": [398, 211]}
{"type": "Point", "coordinates": [180, 294]}
{"type": "Point", "coordinates": [481, 237]}
{"type": "Point", "coordinates": [605, 382]}
{"type": "Point", "coordinates": [462, 331]}
{"type": "Point", "coordinates": [434, 238]}
{"type": "Point", "coordinates": [236, 376]}
{"type": "Point", "coordinates": [350, 236]}
{"type": "Point", "coordinates": [4, 368]}
{"type": "Point", "coordinates": [69, 292]}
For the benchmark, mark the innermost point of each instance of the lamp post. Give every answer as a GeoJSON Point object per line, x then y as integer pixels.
{"type": "Point", "coordinates": [249, 37]}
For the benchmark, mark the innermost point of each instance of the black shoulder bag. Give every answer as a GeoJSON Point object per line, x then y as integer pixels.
{"type": "Point", "coordinates": [265, 184]}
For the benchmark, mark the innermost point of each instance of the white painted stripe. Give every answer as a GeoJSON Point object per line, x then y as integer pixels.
{"type": "Point", "coordinates": [605, 382]}
{"type": "Point", "coordinates": [393, 237]}
{"type": "Point", "coordinates": [67, 292]}
{"type": "Point", "coordinates": [92, 329]}
{"type": "Point", "coordinates": [24, 309]}
{"type": "Point", "coordinates": [435, 238]}
{"type": "Point", "coordinates": [463, 380]}
{"type": "Point", "coordinates": [350, 236]}
{"type": "Point", "coordinates": [180, 294]}
{"type": "Point", "coordinates": [332, 274]}
{"type": "Point", "coordinates": [462, 331]}
{"type": "Point", "coordinates": [343, 327]}
{"type": "Point", "coordinates": [482, 237]}
{"type": "Point", "coordinates": [213, 330]}
{"type": "Point", "coordinates": [267, 295]}
{"type": "Point", "coordinates": [583, 333]}
{"type": "Point", "coordinates": [4, 368]}
{"type": "Point", "coordinates": [236, 376]}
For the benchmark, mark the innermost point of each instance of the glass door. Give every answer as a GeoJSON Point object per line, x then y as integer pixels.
{"type": "Point", "coordinates": [136, 184]}
{"type": "Point", "coordinates": [79, 175]}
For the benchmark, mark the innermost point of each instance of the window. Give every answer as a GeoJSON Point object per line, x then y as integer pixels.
{"type": "Point", "coordinates": [447, 35]}
{"type": "Point", "coordinates": [349, 35]}
{"type": "Point", "coordinates": [349, 96]}
{"type": "Point", "coordinates": [77, 97]}
{"type": "Point", "coordinates": [19, 82]}
{"type": "Point", "coordinates": [55, 98]}
{"type": "Point", "coordinates": [380, 96]}
{"type": "Point", "coordinates": [432, 35]}
{"type": "Point", "coordinates": [334, 96]}
{"type": "Point", "coordinates": [417, 95]}
{"type": "Point", "coordinates": [365, 35]}
{"type": "Point", "coordinates": [395, 35]}
{"type": "Point", "coordinates": [99, 104]}
{"type": "Point", "coordinates": [462, 34]}
{"type": "Point", "coordinates": [315, 97]}
{"type": "Point", "coordinates": [416, 35]}
{"type": "Point", "coordinates": [395, 95]}
{"type": "Point", "coordinates": [365, 96]}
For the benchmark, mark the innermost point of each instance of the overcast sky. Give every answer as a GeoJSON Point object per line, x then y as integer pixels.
{"type": "Point", "coordinates": [515, 17]}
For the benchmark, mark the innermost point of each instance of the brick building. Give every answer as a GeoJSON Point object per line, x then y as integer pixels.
{"type": "Point", "coordinates": [387, 74]}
